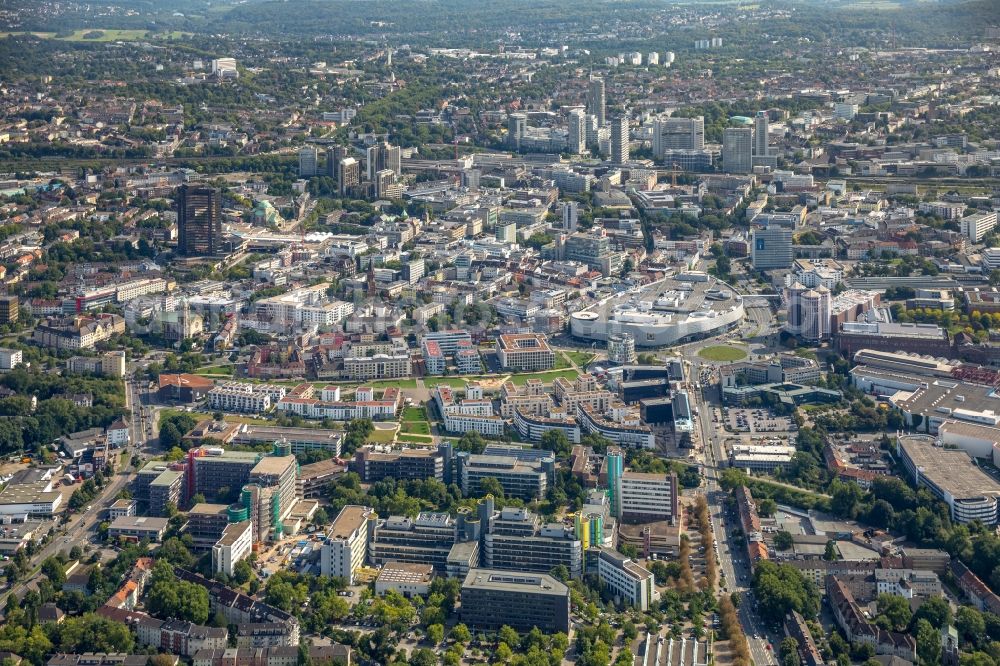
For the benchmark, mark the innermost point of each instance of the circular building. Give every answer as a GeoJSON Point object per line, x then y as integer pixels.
{"type": "Point", "coordinates": [621, 348]}
{"type": "Point", "coordinates": [685, 307]}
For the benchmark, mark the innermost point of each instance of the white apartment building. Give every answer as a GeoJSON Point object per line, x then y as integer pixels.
{"type": "Point", "coordinates": [631, 583]}
{"type": "Point", "coordinates": [327, 314]}
{"type": "Point", "coordinates": [990, 258]}
{"type": "Point", "coordinates": [484, 425]}
{"type": "Point", "coordinates": [946, 210]}
{"type": "Point", "coordinates": [814, 273]}
{"type": "Point", "coordinates": [10, 358]}
{"type": "Point", "coordinates": [978, 225]}
{"type": "Point", "coordinates": [648, 497]}
{"type": "Point", "coordinates": [246, 398]}
{"type": "Point", "coordinates": [524, 351]}
{"type": "Point", "coordinates": [135, 288]}
{"type": "Point", "coordinates": [379, 366]}
{"type": "Point", "coordinates": [304, 307]}
{"type": "Point", "coordinates": [471, 414]}
{"type": "Point", "coordinates": [235, 545]}
{"type": "Point", "coordinates": [377, 410]}
{"type": "Point", "coordinates": [346, 545]}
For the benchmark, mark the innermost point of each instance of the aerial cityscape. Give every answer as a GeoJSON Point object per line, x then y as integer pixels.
{"type": "Point", "coordinates": [610, 333]}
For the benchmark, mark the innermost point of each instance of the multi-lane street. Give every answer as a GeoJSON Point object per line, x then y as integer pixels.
{"type": "Point", "coordinates": [76, 530]}
{"type": "Point", "coordinates": [756, 331]}
{"type": "Point", "coordinates": [734, 563]}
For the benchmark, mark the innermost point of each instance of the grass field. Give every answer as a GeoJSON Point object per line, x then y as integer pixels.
{"type": "Point", "coordinates": [109, 35]}
{"type": "Point", "coordinates": [454, 382]}
{"type": "Point", "coordinates": [382, 436]}
{"type": "Point", "coordinates": [380, 384]}
{"type": "Point", "coordinates": [723, 353]}
{"type": "Point", "coordinates": [545, 377]}
{"type": "Point", "coordinates": [414, 414]}
{"type": "Point", "coordinates": [230, 418]}
{"type": "Point", "coordinates": [581, 358]}
{"type": "Point", "coordinates": [416, 427]}
{"type": "Point", "coordinates": [225, 370]}
{"type": "Point", "coordinates": [562, 361]}
{"type": "Point", "coordinates": [415, 439]}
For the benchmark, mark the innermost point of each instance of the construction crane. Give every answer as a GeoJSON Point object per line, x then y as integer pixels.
{"type": "Point", "coordinates": [674, 169]}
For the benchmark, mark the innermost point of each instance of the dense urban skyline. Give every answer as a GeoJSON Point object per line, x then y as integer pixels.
{"type": "Point", "coordinates": [528, 333]}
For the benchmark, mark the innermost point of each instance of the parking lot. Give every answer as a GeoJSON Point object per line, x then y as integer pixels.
{"type": "Point", "coordinates": [759, 420]}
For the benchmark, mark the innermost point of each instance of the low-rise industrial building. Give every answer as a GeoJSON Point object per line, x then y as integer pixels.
{"type": "Point", "coordinates": [406, 578]}
{"type": "Point", "coordinates": [138, 527]}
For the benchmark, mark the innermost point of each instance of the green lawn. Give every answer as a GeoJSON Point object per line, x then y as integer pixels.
{"type": "Point", "coordinates": [230, 418]}
{"type": "Point", "coordinates": [390, 383]}
{"type": "Point", "coordinates": [562, 361]}
{"type": "Point", "coordinates": [109, 35]}
{"type": "Point", "coordinates": [454, 382]}
{"type": "Point", "coordinates": [382, 436]}
{"type": "Point", "coordinates": [415, 439]}
{"type": "Point", "coordinates": [545, 377]}
{"type": "Point", "coordinates": [414, 414]}
{"type": "Point", "coordinates": [723, 353]}
{"type": "Point", "coordinates": [225, 370]}
{"type": "Point", "coordinates": [581, 358]}
{"type": "Point", "coordinates": [416, 427]}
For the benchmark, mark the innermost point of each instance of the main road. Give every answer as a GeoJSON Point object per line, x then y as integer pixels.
{"type": "Point", "coordinates": [75, 531]}
{"type": "Point", "coordinates": [702, 380]}
{"type": "Point", "coordinates": [733, 558]}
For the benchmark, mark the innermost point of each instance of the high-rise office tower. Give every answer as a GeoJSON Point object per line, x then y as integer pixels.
{"type": "Point", "coordinates": [517, 123]}
{"type": "Point", "coordinates": [371, 162]}
{"type": "Point", "coordinates": [470, 178]}
{"type": "Point", "coordinates": [350, 174]}
{"type": "Point", "coordinates": [577, 137]}
{"type": "Point", "coordinates": [383, 179]}
{"type": "Point", "coordinates": [737, 150]}
{"type": "Point", "coordinates": [389, 157]}
{"type": "Point", "coordinates": [334, 156]}
{"type": "Point", "coordinates": [771, 248]}
{"type": "Point", "coordinates": [619, 139]}
{"type": "Point", "coordinates": [8, 309]}
{"type": "Point", "coordinates": [199, 220]}
{"type": "Point", "coordinates": [570, 215]}
{"type": "Point", "coordinates": [596, 99]}
{"type": "Point", "coordinates": [590, 122]}
{"type": "Point", "coordinates": [615, 459]}
{"type": "Point", "coordinates": [308, 159]}
{"type": "Point", "coordinates": [678, 134]}
{"type": "Point", "coordinates": [808, 312]}
{"type": "Point", "coordinates": [760, 134]}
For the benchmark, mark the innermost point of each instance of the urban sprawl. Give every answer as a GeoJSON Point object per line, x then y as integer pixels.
{"type": "Point", "coordinates": [529, 333]}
